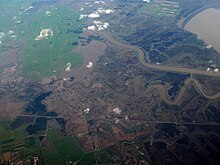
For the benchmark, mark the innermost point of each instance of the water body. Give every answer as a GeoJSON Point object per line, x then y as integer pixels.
{"type": "Point", "coordinates": [207, 26]}
{"type": "Point", "coordinates": [36, 106]}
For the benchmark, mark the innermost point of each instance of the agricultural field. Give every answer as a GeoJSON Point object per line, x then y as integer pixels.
{"type": "Point", "coordinates": [47, 37]}
{"type": "Point", "coordinates": [15, 144]}
{"type": "Point", "coordinates": [161, 8]}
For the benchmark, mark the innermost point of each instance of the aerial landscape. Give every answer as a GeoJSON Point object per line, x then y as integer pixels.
{"type": "Point", "coordinates": [91, 82]}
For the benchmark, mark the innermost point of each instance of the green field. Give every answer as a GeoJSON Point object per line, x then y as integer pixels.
{"type": "Point", "coordinates": [17, 140]}
{"type": "Point", "coordinates": [51, 156]}
{"type": "Point", "coordinates": [59, 149]}
{"type": "Point", "coordinates": [88, 159]}
{"type": "Point", "coordinates": [68, 149]}
{"type": "Point", "coordinates": [45, 57]}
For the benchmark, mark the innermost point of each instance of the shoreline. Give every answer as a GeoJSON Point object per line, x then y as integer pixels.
{"type": "Point", "coordinates": [190, 16]}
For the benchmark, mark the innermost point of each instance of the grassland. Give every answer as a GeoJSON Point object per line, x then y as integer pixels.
{"type": "Point", "coordinates": [7, 9]}
{"type": "Point", "coordinates": [48, 56]}
{"type": "Point", "coordinates": [45, 57]}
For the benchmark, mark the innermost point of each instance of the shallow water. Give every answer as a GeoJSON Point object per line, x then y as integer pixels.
{"type": "Point", "coordinates": [207, 26]}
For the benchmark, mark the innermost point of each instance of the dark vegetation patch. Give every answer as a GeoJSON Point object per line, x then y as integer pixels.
{"type": "Point", "coordinates": [176, 80]}
{"type": "Point", "coordinates": [213, 113]}
{"type": "Point", "coordinates": [62, 123]}
{"type": "Point", "coordinates": [36, 106]}
{"type": "Point", "coordinates": [39, 125]}
{"type": "Point", "coordinates": [19, 121]}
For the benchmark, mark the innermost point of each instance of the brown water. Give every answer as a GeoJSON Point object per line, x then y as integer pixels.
{"type": "Point", "coordinates": [207, 26]}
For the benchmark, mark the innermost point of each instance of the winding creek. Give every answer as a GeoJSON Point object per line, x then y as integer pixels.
{"type": "Point", "coordinates": [160, 88]}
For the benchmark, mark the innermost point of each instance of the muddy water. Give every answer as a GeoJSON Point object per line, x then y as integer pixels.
{"type": "Point", "coordinates": [207, 26]}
